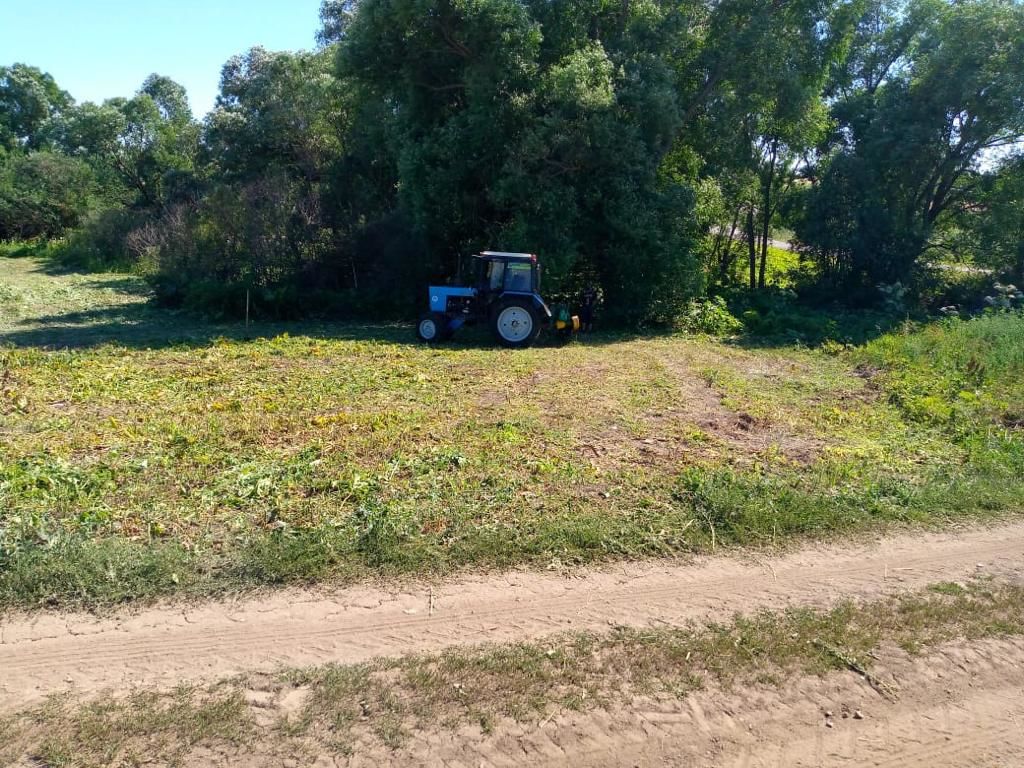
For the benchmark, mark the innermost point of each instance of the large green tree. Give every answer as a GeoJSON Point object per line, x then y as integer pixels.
{"type": "Point", "coordinates": [30, 100]}
{"type": "Point", "coordinates": [536, 126]}
{"type": "Point", "coordinates": [274, 215]}
{"type": "Point", "coordinates": [149, 142]}
{"type": "Point", "coordinates": [751, 81]}
{"type": "Point", "coordinates": [932, 92]}
{"type": "Point", "coordinates": [277, 109]}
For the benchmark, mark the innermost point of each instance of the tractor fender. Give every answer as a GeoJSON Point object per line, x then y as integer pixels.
{"type": "Point", "coordinates": [538, 303]}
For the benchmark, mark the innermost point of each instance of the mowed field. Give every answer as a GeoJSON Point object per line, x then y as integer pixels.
{"type": "Point", "coordinates": [781, 603]}
{"type": "Point", "coordinates": [149, 453]}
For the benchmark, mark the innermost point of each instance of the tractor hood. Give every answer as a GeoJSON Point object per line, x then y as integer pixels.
{"type": "Point", "coordinates": [439, 295]}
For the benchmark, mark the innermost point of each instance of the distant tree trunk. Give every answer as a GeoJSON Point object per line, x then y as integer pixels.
{"type": "Point", "coordinates": [719, 238]}
{"type": "Point", "coordinates": [766, 211]}
{"type": "Point", "coordinates": [765, 237]}
{"type": "Point", "coordinates": [752, 246]}
{"type": "Point", "coordinates": [725, 263]}
{"type": "Point", "coordinates": [1020, 265]}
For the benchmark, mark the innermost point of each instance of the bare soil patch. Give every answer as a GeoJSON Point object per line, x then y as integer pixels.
{"type": "Point", "coordinates": [698, 425]}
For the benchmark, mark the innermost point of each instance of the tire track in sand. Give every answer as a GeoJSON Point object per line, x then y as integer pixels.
{"type": "Point", "coordinates": [166, 645]}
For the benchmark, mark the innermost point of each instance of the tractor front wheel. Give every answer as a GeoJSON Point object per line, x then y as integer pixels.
{"type": "Point", "coordinates": [433, 327]}
{"type": "Point", "coordinates": [516, 323]}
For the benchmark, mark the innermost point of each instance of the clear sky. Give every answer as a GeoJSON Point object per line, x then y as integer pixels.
{"type": "Point", "coordinates": [97, 49]}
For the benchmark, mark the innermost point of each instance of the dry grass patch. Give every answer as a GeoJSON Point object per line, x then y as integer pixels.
{"type": "Point", "coordinates": [143, 728]}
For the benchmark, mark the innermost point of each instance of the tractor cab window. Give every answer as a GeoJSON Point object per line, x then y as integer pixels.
{"type": "Point", "coordinates": [495, 275]}
{"type": "Point", "coordinates": [518, 277]}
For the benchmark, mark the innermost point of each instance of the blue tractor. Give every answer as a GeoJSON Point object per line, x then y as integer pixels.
{"type": "Point", "coordinates": [504, 293]}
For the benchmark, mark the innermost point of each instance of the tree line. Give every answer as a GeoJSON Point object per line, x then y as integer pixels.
{"type": "Point", "coordinates": [650, 148]}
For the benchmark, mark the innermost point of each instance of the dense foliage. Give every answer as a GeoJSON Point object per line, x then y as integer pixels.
{"type": "Point", "coordinates": [649, 148]}
{"type": "Point", "coordinates": [932, 92]}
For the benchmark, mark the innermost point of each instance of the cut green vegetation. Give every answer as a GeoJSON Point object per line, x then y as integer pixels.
{"type": "Point", "coordinates": [384, 703]}
{"type": "Point", "coordinates": [158, 455]}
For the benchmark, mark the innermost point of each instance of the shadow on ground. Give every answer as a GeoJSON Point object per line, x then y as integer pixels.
{"type": "Point", "coordinates": [150, 328]}
{"type": "Point", "coordinates": [120, 313]}
{"type": "Point", "coordinates": [143, 326]}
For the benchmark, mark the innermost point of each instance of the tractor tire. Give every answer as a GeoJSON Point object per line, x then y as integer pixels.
{"type": "Point", "coordinates": [516, 323]}
{"type": "Point", "coordinates": [433, 328]}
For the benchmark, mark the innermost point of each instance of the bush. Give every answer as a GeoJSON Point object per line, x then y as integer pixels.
{"type": "Point", "coordinates": [779, 315]}
{"type": "Point", "coordinates": [710, 316]}
{"type": "Point", "coordinates": [269, 243]}
{"type": "Point", "coordinates": [956, 370]}
{"type": "Point", "coordinates": [43, 195]}
{"type": "Point", "coordinates": [101, 243]}
{"type": "Point", "coordinates": [264, 238]}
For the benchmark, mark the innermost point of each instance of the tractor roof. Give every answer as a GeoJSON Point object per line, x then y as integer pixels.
{"type": "Point", "coordinates": [509, 256]}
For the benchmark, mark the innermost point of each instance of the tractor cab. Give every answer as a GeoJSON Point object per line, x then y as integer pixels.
{"type": "Point", "coordinates": [496, 273]}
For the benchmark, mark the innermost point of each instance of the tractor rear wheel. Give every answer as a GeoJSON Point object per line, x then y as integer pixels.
{"type": "Point", "coordinates": [516, 323]}
{"type": "Point", "coordinates": [432, 328]}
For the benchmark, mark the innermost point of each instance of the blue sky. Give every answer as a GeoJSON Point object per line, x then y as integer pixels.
{"type": "Point", "coordinates": [97, 49]}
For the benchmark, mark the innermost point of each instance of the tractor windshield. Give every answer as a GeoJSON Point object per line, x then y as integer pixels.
{"type": "Point", "coordinates": [519, 277]}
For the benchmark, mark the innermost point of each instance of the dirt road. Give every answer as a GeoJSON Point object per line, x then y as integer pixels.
{"type": "Point", "coordinates": [958, 707]}
{"type": "Point", "coordinates": [165, 645]}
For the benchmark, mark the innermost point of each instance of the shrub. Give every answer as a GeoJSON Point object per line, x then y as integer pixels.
{"type": "Point", "coordinates": [1005, 298]}
{"type": "Point", "coordinates": [102, 242]}
{"type": "Point", "coordinates": [710, 316]}
{"type": "Point", "coordinates": [43, 195]}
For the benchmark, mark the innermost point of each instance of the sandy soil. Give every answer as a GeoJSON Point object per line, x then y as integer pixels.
{"type": "Point", "coordinates": [959, 706]}
{"type": "Point", "coordinates": [161, 646]}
